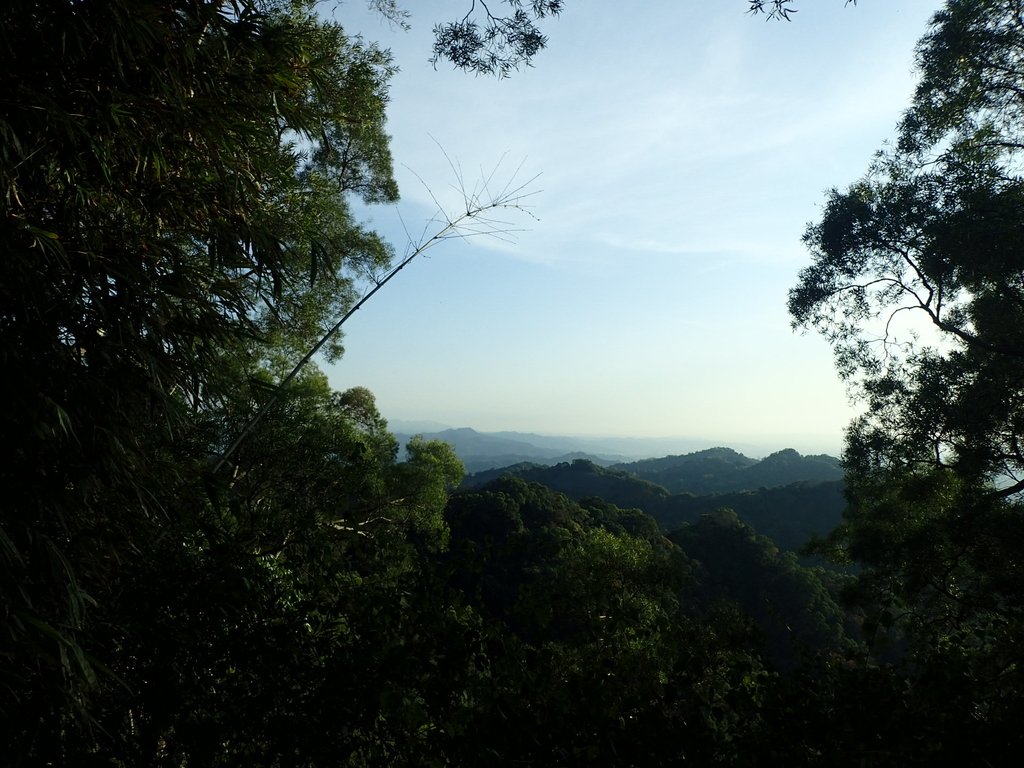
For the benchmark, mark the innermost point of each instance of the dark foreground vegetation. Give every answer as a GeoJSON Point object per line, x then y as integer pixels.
{"type": "Point", "coordinates": [208, 558]}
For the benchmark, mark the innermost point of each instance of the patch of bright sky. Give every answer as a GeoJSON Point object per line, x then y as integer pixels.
{"type": "Point", "coordinates": [682, 148]}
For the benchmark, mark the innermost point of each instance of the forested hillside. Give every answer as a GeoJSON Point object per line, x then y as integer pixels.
{"type": "Point", "coordinates": [720, 470]}
{"type": "Point", "coordinates": [208, 557]}
{"type": "Point", "coordinates": [789, 512]}
{"type": "Point", "coordinates": [715, 470]}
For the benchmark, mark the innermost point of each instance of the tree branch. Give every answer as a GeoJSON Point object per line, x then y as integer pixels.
{"type": "Point", "coordinates": [461, 226]}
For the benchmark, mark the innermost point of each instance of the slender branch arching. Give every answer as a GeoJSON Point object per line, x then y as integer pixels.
{"type": "Point", "coordinates": [460, 226]}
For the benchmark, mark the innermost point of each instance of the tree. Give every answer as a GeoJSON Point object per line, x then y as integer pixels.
{"type": "Point", "coordinates": [791, 606]}
{"type": "Point", "coordinates": [171, 178]}
{"type": "Point", "coordinates": [918, 283]}
{"type": "Point", "coordinates": [589, 656]}
{"type": "Point", "coordinates": [176, 185]}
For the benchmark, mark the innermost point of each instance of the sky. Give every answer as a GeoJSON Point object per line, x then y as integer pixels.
{"type": "Point", "coordinates": [675, 152]}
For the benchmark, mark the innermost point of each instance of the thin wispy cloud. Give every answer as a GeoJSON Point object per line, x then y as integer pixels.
{"type": "Point", "coordinates": [682, 149]}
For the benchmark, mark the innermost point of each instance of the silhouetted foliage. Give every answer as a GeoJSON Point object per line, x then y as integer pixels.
{"type": "Point", "coordinates": [917, 282]}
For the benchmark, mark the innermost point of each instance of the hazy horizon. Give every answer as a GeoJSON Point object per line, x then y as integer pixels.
{"type": "Point", "coordinates": [647, 446]}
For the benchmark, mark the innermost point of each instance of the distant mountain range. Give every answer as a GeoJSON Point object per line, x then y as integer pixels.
{"type": "Point", "coordinates": [786, 496]}
{"type": "Point", "coordinates": [711, 472]}
{"type": "Point", "coordinates": [488, 450]}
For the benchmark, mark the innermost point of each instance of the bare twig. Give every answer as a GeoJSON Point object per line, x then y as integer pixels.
{"type": "Point", "coordinates": [474, 220]}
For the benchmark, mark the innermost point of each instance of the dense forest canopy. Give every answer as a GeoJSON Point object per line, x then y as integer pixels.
{"type": "Point", "coordinates": [208, 557]}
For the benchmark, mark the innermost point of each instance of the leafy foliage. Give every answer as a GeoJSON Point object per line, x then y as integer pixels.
{"type": "Point", "coordinates": [791, 605]}
{"type": "Point", "coordinates": [175, 221]}
{"type": "Point", "coordinates": [498, 42]}
{"type": "Point", "coordinates": [591, 613]}
{"type": "Point", "coordinates": [494, 44]}
{"type": "Point", "coordinates": [934, 466]}
{"type": "Point", "coordinates": [778, 9]}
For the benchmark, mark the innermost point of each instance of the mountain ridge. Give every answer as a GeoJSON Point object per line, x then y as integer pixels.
{"type": "Point", "coordinates": [788, 511]}
{"type": "Point", "coordinates": [480, 451]}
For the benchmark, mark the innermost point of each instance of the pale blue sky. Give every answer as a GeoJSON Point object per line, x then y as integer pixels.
{"type": "Point", "coordinates": [682, 148]}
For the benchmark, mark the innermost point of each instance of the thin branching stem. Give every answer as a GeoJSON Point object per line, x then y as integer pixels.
{"type": "Point", "coordinates": [473, 221]}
